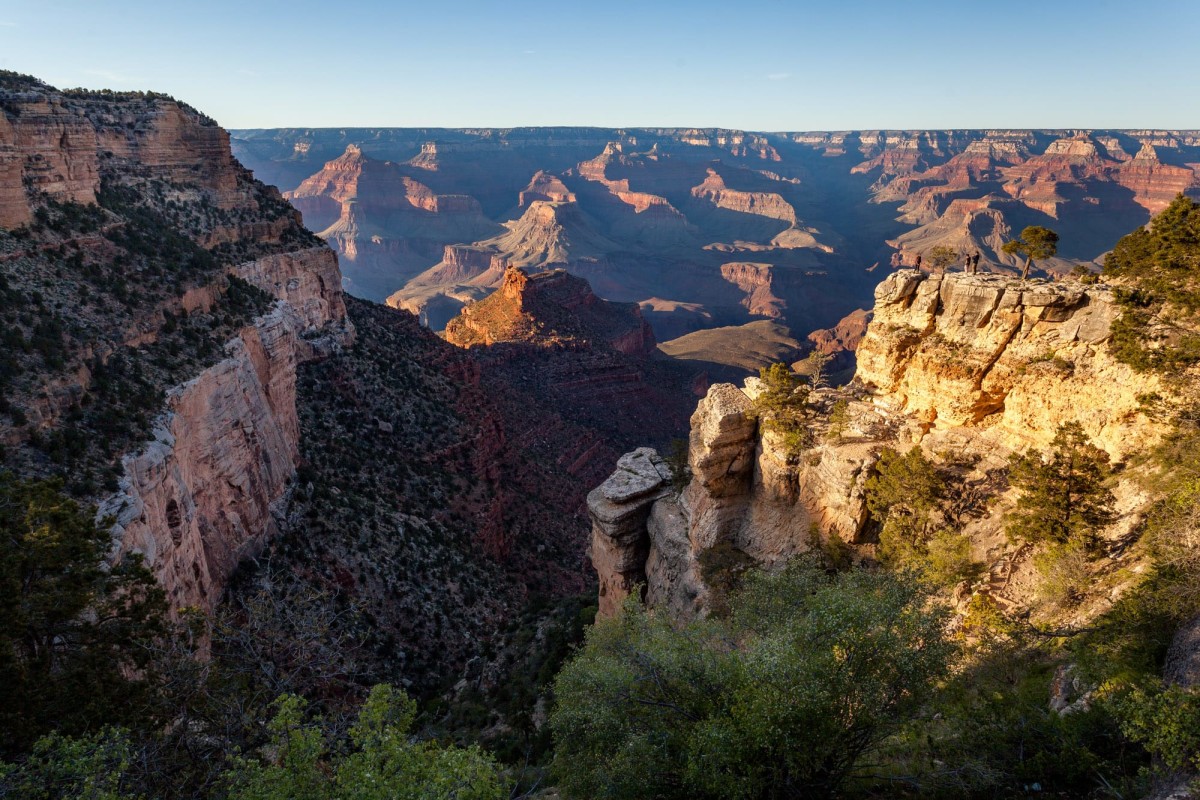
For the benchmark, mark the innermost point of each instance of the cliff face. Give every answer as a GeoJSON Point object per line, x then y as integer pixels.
{"type": "Point", "coordinates": [205, 492]}
{"type": "Point", "coordinates": [958, 350]}
{"type": "Point", "coordinates": [551, 308]}
{"type": "Point", "coordinates": [968, 367]}
{"type": "Point", "coordinates": [194, 294]}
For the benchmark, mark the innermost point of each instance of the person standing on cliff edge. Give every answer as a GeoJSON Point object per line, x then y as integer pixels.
{"type": "Point", "coordinates": [917, 263]}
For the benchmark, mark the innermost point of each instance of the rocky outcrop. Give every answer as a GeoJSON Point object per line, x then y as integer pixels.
{"type": "Point", "coordinates": [200, 495]}
{"type": "Point", "coordinates": [763, 204]}
{"type": "Point", "coordinates": [551, 308]}
{"type": "Point", "coordinates": [958, 349]}
{"type": "Point", "coordinates": [60, 143]}
{"type": "Point", "coordinates": [620, 508]}
{"type": "Point", "coordinates": [204, 493]}
{"type": "Point", "coordinates": [970, 368]}
{"type": "Point", "coordinates": [645, 533]}
{"type": "Point", "coordinates": [756, 281]}
{"type": "Point", "coordinates": [546, 187]}
{"type": "Point", "coordinates": [549, 233]}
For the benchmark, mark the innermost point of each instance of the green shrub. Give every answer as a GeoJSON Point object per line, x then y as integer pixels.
{"type": "Point", "coordinates": [1064, 496]}
{"type": "Point", "coordinates": [808, 675]}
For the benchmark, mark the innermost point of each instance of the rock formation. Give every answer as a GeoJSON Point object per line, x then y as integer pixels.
{"type": "Point", "coordinates": [545, 187]}
{"type": "Point", "coordinates": [385, 225]}
{"type": "Point", "coordinates": [205, 493]}
{"type": "Point", "coordinates": [654, 215]}
{"type": "Point", "coordinates": [976, 366]}
{"type": "Point", "coordinates": [956, 350]}
{"type": "Point", "coordinates": [550, 308]}
{"type": "Point", "coordinates": [128, 184]}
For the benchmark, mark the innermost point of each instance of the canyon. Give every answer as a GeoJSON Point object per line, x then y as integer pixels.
{"type": "Point", "coordinates": [463, 390]}
{"type": "Point", "coordinates": [713, 229]}
{"type": "Point", "coordinates": [196, 372]}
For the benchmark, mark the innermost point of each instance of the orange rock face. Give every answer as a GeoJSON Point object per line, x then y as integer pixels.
{"type": "Point", "coordinates": [551, 308]}
{"type": "Point", "coordinates": [56, 142]}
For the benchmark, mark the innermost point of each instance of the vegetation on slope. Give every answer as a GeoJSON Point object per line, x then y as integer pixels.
{"type": "Point", "coordinates": [1159, 270]}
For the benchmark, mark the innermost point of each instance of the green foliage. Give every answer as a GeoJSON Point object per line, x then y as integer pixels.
{"type": "Point", "coordinates": [904, 486]}
{"type": "Point", "coordinates": [1064, 497]}
{"type": "Point", "coordinates": [1161, 267]}
{"type": "Point", "coordinates": [948, 558]}
{"type": "Point", "coordinates": [723, 568]}
{"type": "Point", "coordinates": [90, 767]}
{"type": "Point", "coordinates": [677, 462]}
{"type": "Point", "coordinates": [1166, 719]}
{"type": "Point", "coordinates": [991, 733]}
{"type": "Point", "coordinates": [941, 257]}
{"type": "Point", "coordinates": [379, 762]}
{"type": "Point", "coordinates": [839, 419]}
{"type": "Point", "coordinates": [74, 633]}
{"type": "Point", "coordinates": [807, 675]}
{"type": "Point", "coordinates": [782, 406]}
{"type": "Point", "coordinates": [906, 495]}
{"type": "Point", "coordinates": [834, 552]}
{"type": "Point", "coordinates": [1063, 567]}
{"type": "Point", "coordinates": [1035, 243]}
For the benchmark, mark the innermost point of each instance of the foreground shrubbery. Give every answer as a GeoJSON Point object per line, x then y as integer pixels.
{"type": "Point", "coordinates": [786, 696]}
{"type": "Point", "coordinates": [302, 759]}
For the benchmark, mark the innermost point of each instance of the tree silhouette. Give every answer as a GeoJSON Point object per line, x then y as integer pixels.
{"type": "Point", "coordinates": [942, 257]}
{"type": "Point", "coordinates": [1035, 243]}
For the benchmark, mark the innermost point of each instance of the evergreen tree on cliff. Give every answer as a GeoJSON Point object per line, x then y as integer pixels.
{"type": "Point", "coordinates": [1064, 496]}
{"type": "Point", "coordinates": [73, 631]}
{"type": "Point", "coordinates": [1035, 243]}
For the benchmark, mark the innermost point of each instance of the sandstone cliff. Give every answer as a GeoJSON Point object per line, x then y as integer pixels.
{"type": "Point", "coordinates": [968, 367]}
{"type": "Point", "coordinates": [551, 308]}
{"type": "Point", "coordinates": [194, 293]}
{"type": "Point", "coordinates": [206, 491]}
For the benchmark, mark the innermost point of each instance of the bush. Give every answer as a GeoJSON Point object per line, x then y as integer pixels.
{"type": "Point", "coordinates": [1064, 571]}
{"type": "Point", "coordinates": [74, 633]}
{"type": "Point", "coordinates": [380, 760]}
{"type": "Point", "coordinates": [807, 675]}
{"type": "Point", "coordinates": [1064, 496]}
{"type": "Point", "coordinates": [1166, 719]}
{"type": "Point", "coordinates": [1161, 264]}
{"type": "Point", "coordinates": [782, 407]}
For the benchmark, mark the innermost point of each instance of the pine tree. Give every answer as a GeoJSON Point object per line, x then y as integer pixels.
{"type": "Point", "coordinates": [1064, 497]}
{"type": "Point", "coordinates": [1035, 243]}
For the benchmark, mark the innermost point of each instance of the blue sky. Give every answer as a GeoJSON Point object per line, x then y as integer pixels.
{"type": "Point", "coordinates": [772, 65]}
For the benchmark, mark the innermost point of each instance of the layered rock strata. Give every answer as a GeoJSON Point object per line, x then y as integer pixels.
{"type": "Point", "coordinates": [969, 367]}
{"type": "Point", "coordinates": [204, 493]}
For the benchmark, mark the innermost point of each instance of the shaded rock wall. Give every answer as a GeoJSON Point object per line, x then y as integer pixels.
{"type": "Point", "coordinates": [201, 495]}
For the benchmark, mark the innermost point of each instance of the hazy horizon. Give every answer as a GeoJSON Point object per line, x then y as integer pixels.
{"type": "Point", "coordinates": [770, 66]}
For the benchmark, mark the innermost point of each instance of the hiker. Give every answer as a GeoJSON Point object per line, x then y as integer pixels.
{"type": "Point", "coordinates": [975, 263]}
{"type": "Point", "coordinates": [917, 263]}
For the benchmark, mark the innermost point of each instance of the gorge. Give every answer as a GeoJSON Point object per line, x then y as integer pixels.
{"type": "Point", "coordinates": [359, 429]}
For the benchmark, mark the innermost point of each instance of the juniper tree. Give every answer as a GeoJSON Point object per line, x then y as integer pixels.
{"type": "Point", "coordinates": [1064, 496]}
{"type": "Point", "coordinates": [1035, 243]}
